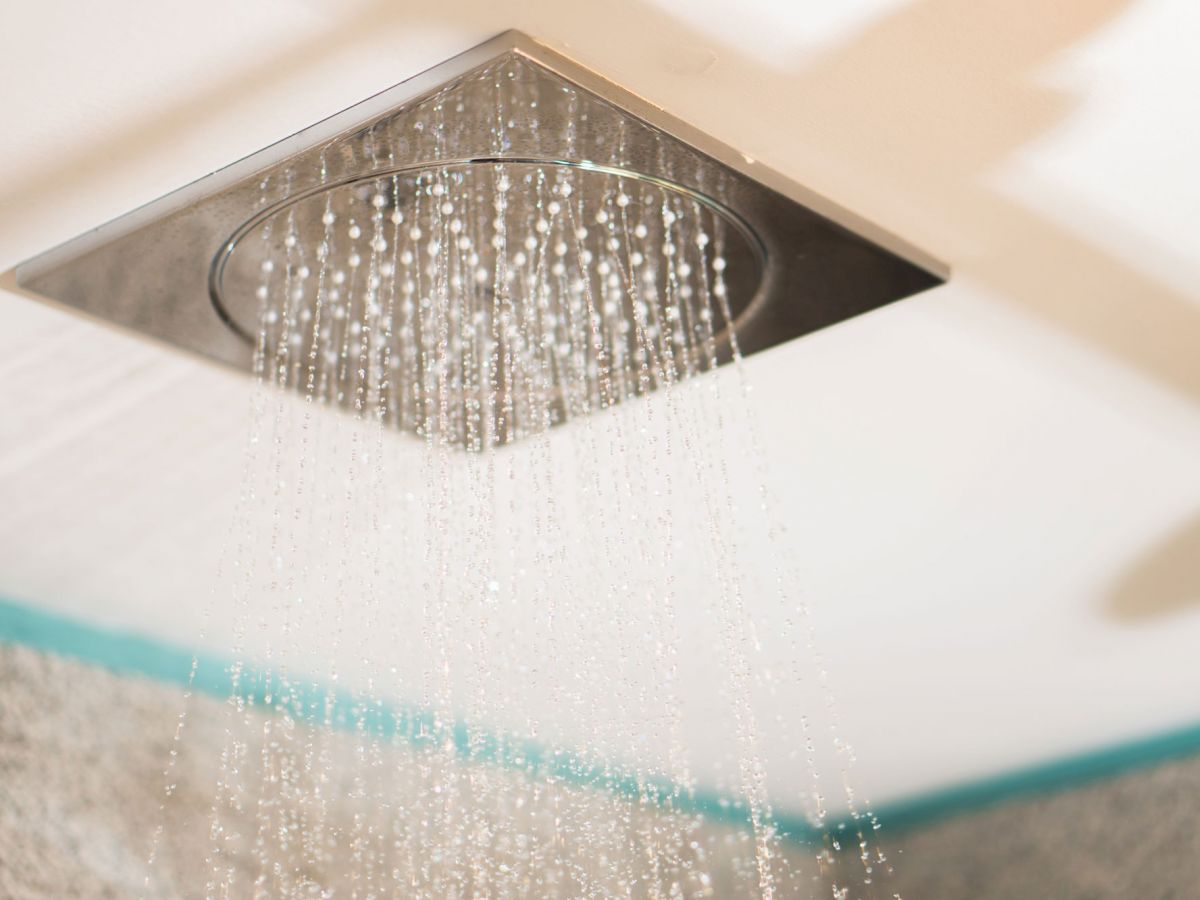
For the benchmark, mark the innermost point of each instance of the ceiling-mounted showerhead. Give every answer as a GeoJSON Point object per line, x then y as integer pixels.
{"type": "Point", "coordinates": [506, 225]}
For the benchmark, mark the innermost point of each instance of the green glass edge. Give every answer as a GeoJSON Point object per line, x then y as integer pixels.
{"type": "Point", "coordinates": [131, 654]}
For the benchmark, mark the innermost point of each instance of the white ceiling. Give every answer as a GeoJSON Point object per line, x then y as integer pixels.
{"type": "Point", "coordinates": [992, 489]}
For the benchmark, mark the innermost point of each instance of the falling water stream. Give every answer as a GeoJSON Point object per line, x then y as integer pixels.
{"type": "Point", "coordinates": [491, 566]}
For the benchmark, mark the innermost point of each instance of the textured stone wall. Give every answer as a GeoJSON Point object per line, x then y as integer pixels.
{"type": "Point", "coordinates": [1130, 836]}
{"type": "Point", "coordinates": [82, 753]}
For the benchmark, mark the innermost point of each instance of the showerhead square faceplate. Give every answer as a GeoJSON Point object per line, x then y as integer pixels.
{"type": "Point", "coordinates": [597, 243]}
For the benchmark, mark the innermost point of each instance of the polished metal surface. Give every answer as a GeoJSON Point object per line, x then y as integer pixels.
{"type": "Point", "coordinates": [159, 269]}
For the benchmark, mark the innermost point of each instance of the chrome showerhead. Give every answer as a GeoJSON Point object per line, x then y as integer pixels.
{"type": "Point", "coordinates": [503, 243]}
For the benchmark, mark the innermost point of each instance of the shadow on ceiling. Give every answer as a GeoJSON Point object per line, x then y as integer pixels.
{"type": "Point", "coordinates": [1165, 581]}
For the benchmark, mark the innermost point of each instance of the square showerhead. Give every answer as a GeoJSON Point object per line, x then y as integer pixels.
{"type": "Point", "coordinates": [602, 247]}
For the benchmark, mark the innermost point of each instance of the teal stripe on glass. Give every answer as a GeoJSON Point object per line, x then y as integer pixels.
{"type": "Point", "coordinates": [1047, 778]}
{"type": "Point", "coordinates": [133, 655]}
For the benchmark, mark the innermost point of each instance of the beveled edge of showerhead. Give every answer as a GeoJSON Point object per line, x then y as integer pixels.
{"type": "Point", "coordinates": [742, 163]}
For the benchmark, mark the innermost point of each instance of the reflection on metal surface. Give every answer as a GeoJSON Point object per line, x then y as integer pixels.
{"type": "Point", "coordinates": [168, 270]}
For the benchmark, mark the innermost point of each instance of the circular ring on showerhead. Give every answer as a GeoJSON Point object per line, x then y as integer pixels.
{"type": "Point", "coordinates": [744, 302]}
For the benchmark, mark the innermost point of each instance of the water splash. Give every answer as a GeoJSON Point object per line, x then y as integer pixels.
{"type": "Point", "coordinates": [521, 600]}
